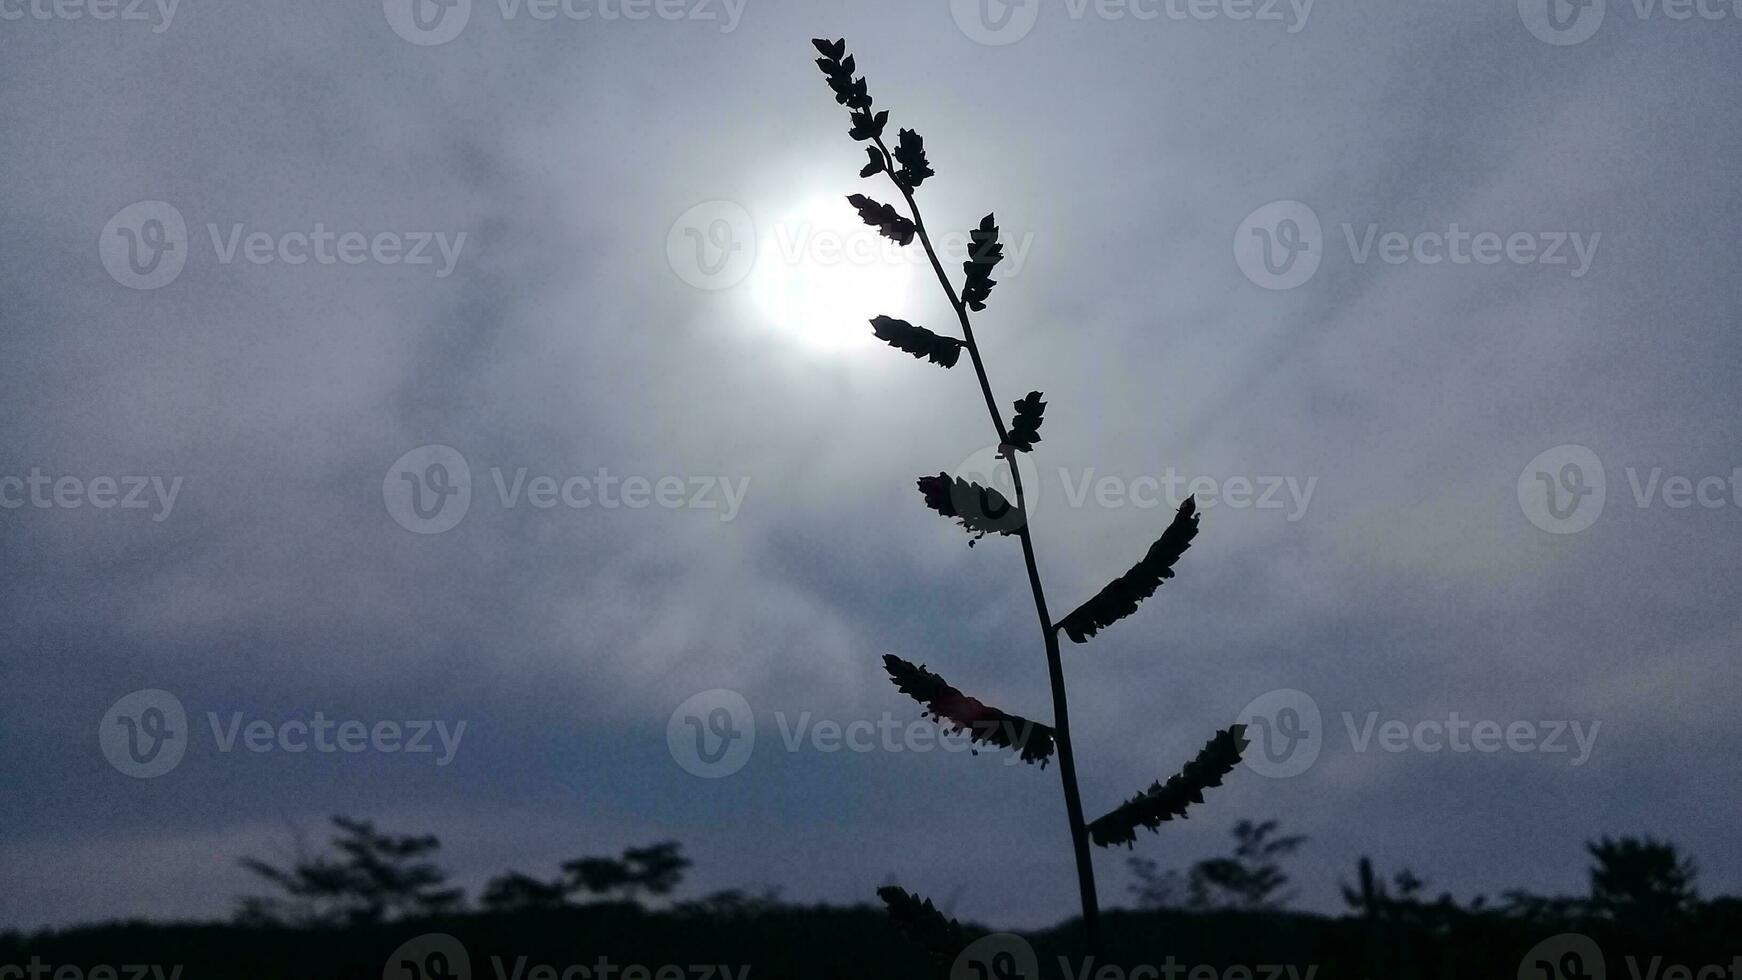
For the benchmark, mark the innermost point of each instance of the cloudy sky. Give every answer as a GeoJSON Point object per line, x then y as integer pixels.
{"type": "Point", "coordinates": [521, 381]}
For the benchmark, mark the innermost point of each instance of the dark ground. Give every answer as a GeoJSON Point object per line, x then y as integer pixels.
{"type": "Point", "coordinates": [780, 941]}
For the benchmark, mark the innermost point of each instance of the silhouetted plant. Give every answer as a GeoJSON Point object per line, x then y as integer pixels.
{"type": "Point", "coordinates": [652, 870]}
{"type": "Point", "coordinates": [982, 511]}
{"type": "Point", "coordinates": [1642, 880]}
{"type": "Point", "coordinates": [515, 892]}
{"type": "Point", "coordinates": [1250, 879]}
{"type": "Point", "coordinates": [375, 877]}
{"type": "Point", "coordinates": [938, 935]}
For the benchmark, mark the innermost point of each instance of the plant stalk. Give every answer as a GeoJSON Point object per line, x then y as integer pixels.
{"type": "Point", "coordinates": [1055, 665]}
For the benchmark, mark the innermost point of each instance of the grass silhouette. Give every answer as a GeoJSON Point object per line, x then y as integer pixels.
{"type": "Point", "coordinates": [983, 510]}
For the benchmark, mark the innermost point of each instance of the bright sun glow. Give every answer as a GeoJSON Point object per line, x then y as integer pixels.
{"type": "Point", "coordinates": [822, 274]}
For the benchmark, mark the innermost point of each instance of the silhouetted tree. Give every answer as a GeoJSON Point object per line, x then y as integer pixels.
{"type": "Point", "coordinates": [515, 892]}
{"type": "Point", "coordinates": [1251, 878]}
{"type": "Point", "coordinates": [1641, 880]}
{"type": "Point", "coordinates": [374, 877]}
{"type": "Point", "coordinates": [1155, 888]}
{"type": "Point", "coordinates": [653, 870]}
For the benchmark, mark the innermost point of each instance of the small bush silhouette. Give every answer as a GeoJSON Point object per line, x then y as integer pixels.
{"type": "Point", "coordinates": [984, 511]}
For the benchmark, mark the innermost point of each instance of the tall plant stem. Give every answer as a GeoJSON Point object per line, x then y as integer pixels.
{"type": "Point", "coordinates": [1055, 666]}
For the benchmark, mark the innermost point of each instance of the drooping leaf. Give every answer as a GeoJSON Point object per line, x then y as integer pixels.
{"type": "Point", "coordinates": [917, 341]}
{"type": "Point", "coordinates": [982, 510]}
{"type": "Point", "coordinates": [910, 153]}
{"type": "Point", "coordinates": [832, 50]}
{"type": "Point", "coordinates": [983, 723]}
{"type": "Point", "coordinates": [877, 164]}
{"type": "Point", "coordinates": [1162, 802]}
{"type": "Point", "coordinates": [1025, 428]}
{"type": "Point", "coordinates": [984, 252]}
{"type": "Point", "coordinates": [1121, 596]}
{"type": "Point", "coordinates": [921, 922]}
{"type": "Point", "coordinates": [884, 218]}
{"type": "Point", "coordinates": [867, 126]}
